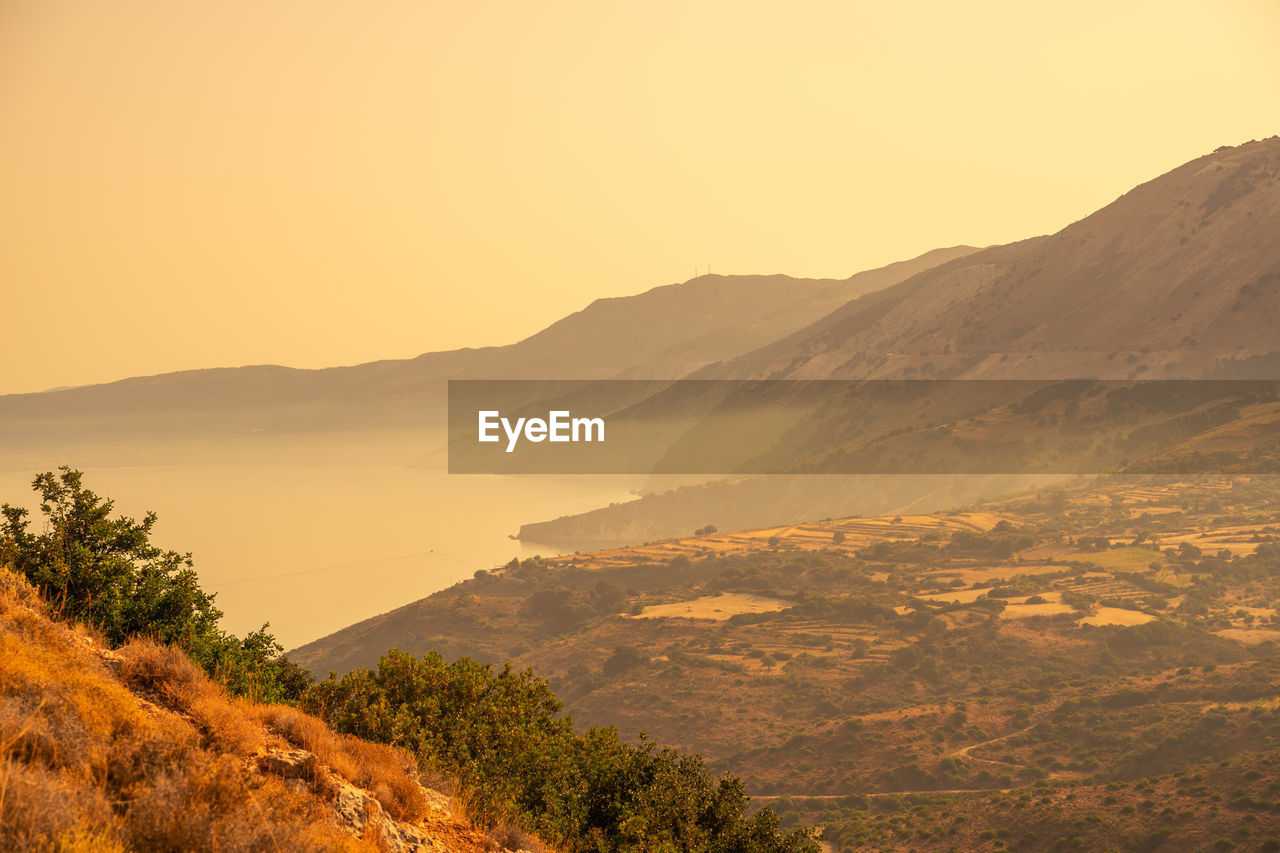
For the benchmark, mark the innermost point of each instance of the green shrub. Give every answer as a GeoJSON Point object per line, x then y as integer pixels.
{"type": "Point", "coordinates": [502, 735]}
{"type": "Point", "coordinates": [105, 572]}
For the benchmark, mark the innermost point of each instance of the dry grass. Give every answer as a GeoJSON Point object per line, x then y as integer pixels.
{"type": "Point", "coordinates": [508, 836]}
{"type": "Point", "coordinates": [88, 766]}
{"type": "Point", "coordinates": [964, 596]}
{"type": "Point", "coordinates": [1250, 636]}
{"type": "Point", "coordinates": [84, 766]}
{"type": "Point", "coordinates": [385, 771]}
{"type": "Point", "coordinates": [719, 607]}
{"type": "Point", "coordinates": [52, 809]}
{"type": "Point", "coordinates": [211, 805]}
{"type": "Point", "coordinates": [58, 705]}
{"type": "Point", "coordinates": [1116, 616]}
{"type": "Point", "coordinates": [1116, 559]}
{"type": "Point", "coordinates": [225, 722]}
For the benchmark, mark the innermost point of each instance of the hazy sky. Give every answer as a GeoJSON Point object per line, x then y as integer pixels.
{"type": "Point", "coordinates": [190, 184]}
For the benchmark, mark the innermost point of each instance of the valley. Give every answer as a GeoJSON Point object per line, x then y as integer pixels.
{"type": "Point", "coordinates": [1070, 654]}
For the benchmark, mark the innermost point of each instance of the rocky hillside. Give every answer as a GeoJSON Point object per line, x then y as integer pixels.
{"type": "Point", "coordinates": [137, 750]}
{"type": "Point", "coordinates": [161, 731]}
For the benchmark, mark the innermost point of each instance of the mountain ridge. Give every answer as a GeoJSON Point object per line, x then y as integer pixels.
{"type": "Point", "coordinates": [1177, 278]}
{"type": "Point", "coordinates": [1161, 267]}
{"type": "Point", "coordinates": [663, 332]}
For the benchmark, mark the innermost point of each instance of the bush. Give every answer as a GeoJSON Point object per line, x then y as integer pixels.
{"type": "Point", "coordinates": [102, 571]}
{"type": "Point", "coordinates": [516, 757]}
{"type": "Point", "coordinates": [105, 573]}
{"type": "Point", "coordinates": [624, 659]}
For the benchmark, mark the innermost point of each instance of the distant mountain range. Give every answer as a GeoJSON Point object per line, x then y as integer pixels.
{"type": "Point", "coordinates": [193, 416]}
{"type": "Point", "coordinates": [1178, 278]}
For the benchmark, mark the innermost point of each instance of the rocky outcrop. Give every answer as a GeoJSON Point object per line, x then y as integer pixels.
{"type": "Point", "coordinates": [355, 809]}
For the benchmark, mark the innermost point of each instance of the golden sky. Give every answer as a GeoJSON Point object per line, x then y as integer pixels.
{"type": "Point", "coordinates": [192, 184]}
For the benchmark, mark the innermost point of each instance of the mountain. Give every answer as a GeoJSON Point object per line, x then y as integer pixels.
{"type": "Point", "coordinates": [1174, 277]}
{"type": "Point", "coordinates": [1178, 278]}
{"type": "Point", "coordinates": [670, 331]}
{"type": "Point", "coordinates": [259, 411]}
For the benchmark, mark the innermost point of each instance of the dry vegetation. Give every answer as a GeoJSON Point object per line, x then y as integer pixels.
{"type": "Point", "coordinates": [1056, 663]}
{"type": "Point", "coordinates": [138, 750]}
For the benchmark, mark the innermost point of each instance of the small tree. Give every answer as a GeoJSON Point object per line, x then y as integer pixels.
{"type": "Point", "coordinates": [105, 572]}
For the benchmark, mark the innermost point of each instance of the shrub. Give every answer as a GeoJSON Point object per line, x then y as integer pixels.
{"type": "Point", "coordinates": [104, 572]}
{"type": "Point", "coordinates": [624, 659]}
{"type": "Point", "coordinates": [517, 758]}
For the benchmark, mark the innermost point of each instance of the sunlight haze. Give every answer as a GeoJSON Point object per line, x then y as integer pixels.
{"type": "Point", "coordinates": [316, 183]}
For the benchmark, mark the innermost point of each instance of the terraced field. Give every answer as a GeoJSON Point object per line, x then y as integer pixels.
{"type": "Point", "coordinates": [1066, 657]}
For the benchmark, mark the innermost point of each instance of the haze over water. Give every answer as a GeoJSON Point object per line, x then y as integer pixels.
{"type": "Point", "coordinates": [314, 549]}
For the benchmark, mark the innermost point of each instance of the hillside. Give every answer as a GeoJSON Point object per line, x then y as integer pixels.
{"type": "Point", "coordinates": [763, 501]}
{"type": "Point", "coordinates": [137, 750]}
{"type": "Point", "coordinates": [1178, 278]}
{"type": "Point", "coordinates": [1099, 661]}
{"type": "Point", "coordinates": [381, 411]}
{"type": "Point", "coordinates": [1171, 278]}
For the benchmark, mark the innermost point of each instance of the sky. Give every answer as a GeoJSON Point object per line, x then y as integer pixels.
{"type": "Point", "coordinates": [311, 182]}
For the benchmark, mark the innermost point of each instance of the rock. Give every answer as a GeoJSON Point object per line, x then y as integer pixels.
{"type": "Point", "coordinates": [356, 810]}
{"type": "Point", "coordinates": [113, 660]}
{"type": "Point", "coordinates": [289, 763]}
{"type": "Point", "coordinates": [438, 802]}
{"type": "Point", "coordinates": [363, 815]}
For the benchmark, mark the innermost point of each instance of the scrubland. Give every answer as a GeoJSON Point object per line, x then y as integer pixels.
{"type": "Point", "coordinates": [1089, 667]}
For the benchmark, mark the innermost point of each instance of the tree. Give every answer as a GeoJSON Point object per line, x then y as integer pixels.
{"type": "Point", "coordinates": [105, 572]}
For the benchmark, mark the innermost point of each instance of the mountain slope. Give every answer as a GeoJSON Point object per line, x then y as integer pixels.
{"type": "Point", "coordinates": [1178, 278]}
{"type": "Point", "coordinates": [1182, 271]}
{"type": "Point", "coordinates": [668, 331]}
{"type": "Point", "coordinates": [138, 751]}
{"type": "Point", "coordinates": [197, 415]}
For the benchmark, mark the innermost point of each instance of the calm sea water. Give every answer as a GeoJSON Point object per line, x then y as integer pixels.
{"type": "Point", "coordinates": [312, 549]}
